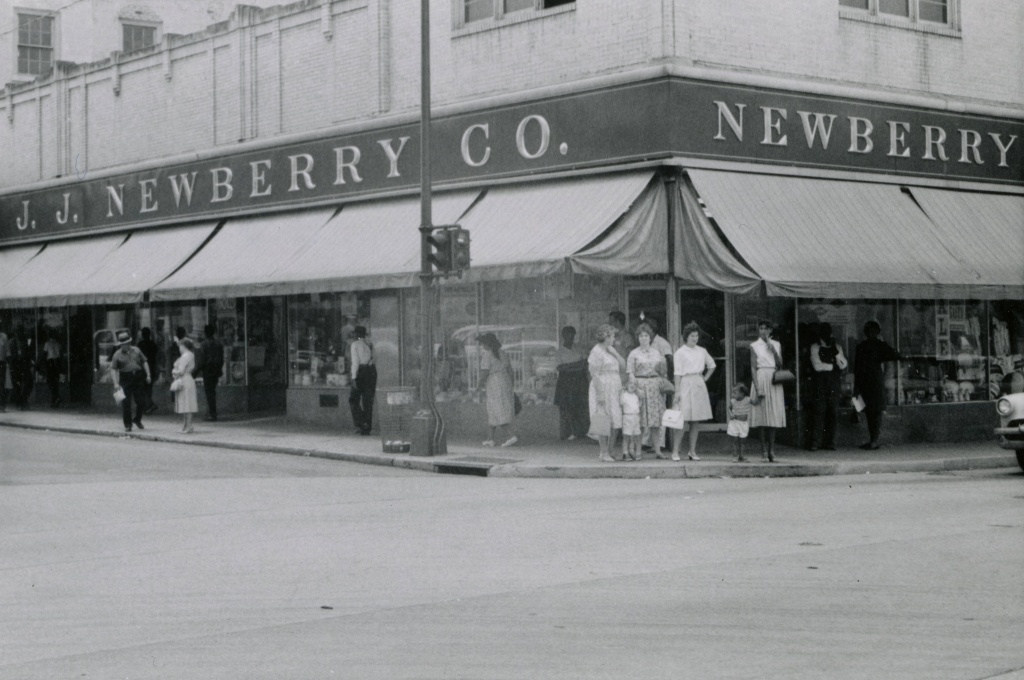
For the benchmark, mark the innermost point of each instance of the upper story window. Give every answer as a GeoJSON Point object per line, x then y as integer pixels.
{"type": "Point", "coordinates": [937, 16]}
{"type": "Point", "coordinates": [496, 10]}
{"type": "Point", "coordinates": [138, 37]}
{"type": "Point", "coordinates": [35, 43]}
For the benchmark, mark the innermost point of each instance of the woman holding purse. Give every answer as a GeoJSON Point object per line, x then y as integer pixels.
{"type": "Point", "coordinates": [606, 368]}
{"type": "Point", "coordinates": [766, 398]}
{"type": "Point", "coordinates": [185, 400]}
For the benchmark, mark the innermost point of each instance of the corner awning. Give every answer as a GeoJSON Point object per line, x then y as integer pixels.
{"type": "Point", "coordinates": [56, 275]}
{"type": "Point", "coordinates": [829, 238]}
{"type": "Point", "coordinates": [599, 224]}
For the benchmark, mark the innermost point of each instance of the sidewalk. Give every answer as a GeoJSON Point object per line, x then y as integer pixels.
{"type": "Point", "coordinates": [534, 458]}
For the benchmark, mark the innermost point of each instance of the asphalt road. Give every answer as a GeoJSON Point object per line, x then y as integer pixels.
{"type": "Point", "coordinates": [128, 559]}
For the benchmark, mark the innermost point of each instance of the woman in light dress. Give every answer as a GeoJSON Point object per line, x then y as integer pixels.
{"type": "Point", "coordinates": [496, 377]}
{"type": "Point", "coordinates": [646, 367]}
{"type": "Point", "coordinates": [606, 367]}
{"type": "Point", "coordinates": [768, 401]}
{"type": "Point", "coordinates": [185, 401]}
{"type": "Point", "coordinates": [693, 368]}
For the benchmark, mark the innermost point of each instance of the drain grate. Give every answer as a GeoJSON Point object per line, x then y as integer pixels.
{"type": "Point", "coordinates": [479, 466]}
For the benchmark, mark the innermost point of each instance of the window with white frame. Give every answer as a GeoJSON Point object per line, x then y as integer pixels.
{"type": "Point", "coordinates": [138, 37]}
{"type": "Point", "coordinates": [35, 43]}
{"type": "Point", "coordinates": [482, 10]}
{"type": "Point", "coordinates": [924, 13]}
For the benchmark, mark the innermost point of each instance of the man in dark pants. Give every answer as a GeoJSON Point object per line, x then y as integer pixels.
{"type": "Point", "coordinates": [211, 367]}
{"type": "Point", "coordinates": [130, 372]}
{"type": "Point", "coordinates": [869, 379]}
{"type": "Point", "coordinates": [828, 363]}
{"type": "Point", "coordinates": [364, 382]}
{"type": "Point", "coordinates": [21, 362]}
{"type": "Point", "coordinates": [149, 349]}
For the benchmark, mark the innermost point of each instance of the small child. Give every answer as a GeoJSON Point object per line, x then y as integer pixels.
{"type": "Point", "coordinates": [630, 422]}
{"type": "Point", "coordinates": [739, 419]}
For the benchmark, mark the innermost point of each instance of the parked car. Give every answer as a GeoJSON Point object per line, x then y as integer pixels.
{"type": "Point", "coordinates": [1010, 432]}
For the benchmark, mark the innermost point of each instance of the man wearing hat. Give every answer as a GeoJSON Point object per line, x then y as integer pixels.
{"type": "Point", "coordinates": [364, 382]}
{"type": "Point", "coordinates": [130, 372]}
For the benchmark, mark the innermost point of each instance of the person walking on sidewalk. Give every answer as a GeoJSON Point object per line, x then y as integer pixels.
{"type": "Point", "coordinates": [130, 372]}
{"type": "Point", "coordinates": [869, 379]}
{"type": "Point", "coordinates": [53, 367]}
{"type": "Point", "coordinates": [211, 366]}
{"type": "Point", "coordinates": [364, 382]}
{"type": "Point", "coordinates": [186, 402]}
{"type": "Point", "coordinates": [149, 349]}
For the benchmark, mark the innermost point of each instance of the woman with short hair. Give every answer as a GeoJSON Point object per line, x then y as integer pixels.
{"type": "Point", "coordinates": [693, 367]}
{"type": "Point", "coordinates": [768, 400]}
{"type": "Point", "coordinates": [606, 367]}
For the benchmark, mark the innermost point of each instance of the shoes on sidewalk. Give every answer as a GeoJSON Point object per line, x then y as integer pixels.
{"type": "Point", "coordinates": [138, 424]}
{"type": "Point", "coordinates": [511, 441]}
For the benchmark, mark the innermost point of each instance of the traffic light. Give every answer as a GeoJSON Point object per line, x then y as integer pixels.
{"type": "Point", "coordinates": [440, 251]}
{"type": "Point", "coordinates": [460, 249]}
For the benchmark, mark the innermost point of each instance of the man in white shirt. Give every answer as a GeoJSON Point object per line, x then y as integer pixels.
{"type": "Point", "coordinates": [364, 381]}
{"type": "Point", "coordinates": [828, 362]}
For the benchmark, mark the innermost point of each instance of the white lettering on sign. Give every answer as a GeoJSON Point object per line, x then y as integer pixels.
{"type": "Point", "coordinates": [735, 125]}
{"type": "Point", "coordinates": [392, 154]}
{"type": "Point", "coordinates": [341, 164]}
{"type": "Point", "coordinates": [819, 128]}
{"type": "Point", "coordinates": [545, 137]}
{"type": "Point", "coordinates": [934, 138]}
{"type": "Point", "coordinates": [466, 157]}
{"type": "Point", "coordinates": [182, 184]}
{"type": "Point", "coordinates": [24, 224]}
{"type": "Point", "coordinates": [115, 197]}
{"type": "Point", "coordinates": [307, 168]}
{"type": "Point", "coordinates": [260, 186]}
{"type": "Point", "coordinates": [898, 139]}
{"type": "Point", "coordinates": [860, 131]}
{"type": "Point", "coordinates": [774, 125]}
{"type": "Point", "coordinates": [63, 218]}
{"type": "Point", "coordinates": [222, 189]}
{"type": "Point", "coordinates": [1003, 149]}
{"type": "Point", "coordinates": [970, 141]}
{"type": "Point", "coordinates": [147, 204]}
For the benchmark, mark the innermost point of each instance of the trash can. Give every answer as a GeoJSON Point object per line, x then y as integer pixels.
{"type": "Point", "coordinates": [395, 408]}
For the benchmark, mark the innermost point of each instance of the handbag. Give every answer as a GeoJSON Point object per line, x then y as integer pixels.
{"type": "Point", "coordinates": [176, 385]}
{"type": "Point", "coordinates": [783, 376]}
{"type": "Point", "coordinates": [119, 395]}
{"type": "Point", "coordinates": [666, 386]}
{"type": "Point", "coordinates": [673, 419]}
{"type": "Point", "coordinates": [600, 424]}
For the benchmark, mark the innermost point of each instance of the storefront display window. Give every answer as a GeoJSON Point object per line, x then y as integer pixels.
{"type": "Point", "coordinates": [457, 329]}
{"type": "Point", "coordinates": [320, 328]}
{"type": "Point", "coordinates": [1006, 365]}
{"type": "Point", "coordinates": [264, 356]}
{"type": "Point", "coordinates": [228, 316]}
{"type": "Point", "coordinates": [523, 315]}
{"type": "Point", "coordinates": [847, 318]}
{"type": "Point", "coordinates": [943, 343]}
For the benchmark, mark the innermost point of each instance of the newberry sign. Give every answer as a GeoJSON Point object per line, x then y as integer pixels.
{"type": "Point", "coordinates": [663, 118]}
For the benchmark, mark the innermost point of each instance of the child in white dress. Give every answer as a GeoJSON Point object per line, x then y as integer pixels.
{"type": "Point", "coordinates": [630, 402]}
{"type": "Point", "coordinates": [739, 419]}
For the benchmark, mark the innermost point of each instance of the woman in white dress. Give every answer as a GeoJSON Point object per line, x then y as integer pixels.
{"type": "Point", "coordinates": [693, 368]}
{"type": "Point", "coordinates": [606, 367]}
{"type": "Point", "coordinates": [185, 401]}
{"type": "Point", "coordinates": [767, 399]}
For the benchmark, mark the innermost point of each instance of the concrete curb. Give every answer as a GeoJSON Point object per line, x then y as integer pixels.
{"type": "Point", "coordinates": [594, 470]}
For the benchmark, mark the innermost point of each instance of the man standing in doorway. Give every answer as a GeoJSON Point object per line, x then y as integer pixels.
{"type": "Point", "coordinates": [149, 349]}
{"type": "Point", "coordinates": [364, 382]}
{"type": "Point", "coordinates": [212, 367]}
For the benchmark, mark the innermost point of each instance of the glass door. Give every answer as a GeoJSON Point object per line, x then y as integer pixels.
{"type": "Point", "coordinates": [708, 309]}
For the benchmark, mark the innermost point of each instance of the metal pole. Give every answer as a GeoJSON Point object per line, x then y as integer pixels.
{"type": "Point", "coordinates": [436, 444]}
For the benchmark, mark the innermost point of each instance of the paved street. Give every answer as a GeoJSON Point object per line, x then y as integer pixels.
{"type": "Point", "coordinates": [143, 559]}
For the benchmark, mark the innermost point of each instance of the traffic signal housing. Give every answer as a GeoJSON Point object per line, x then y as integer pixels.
{"type": "Point", "coordinates": [449, 250]}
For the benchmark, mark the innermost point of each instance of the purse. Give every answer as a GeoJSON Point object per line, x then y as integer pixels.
{"type": "Point", "coordinates": [666, 386]}
{"type": "Point", "coordinates": [176, 385]}
{"type": "Point", "coordinates": [600, 425]}
{"type": "Point", "coordinates": [673, 419]}
{"type": "Point", "coordinates": [783, 376]}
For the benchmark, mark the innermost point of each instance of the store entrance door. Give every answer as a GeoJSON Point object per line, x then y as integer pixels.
{"type": "Point", "coordinates": [708, 309]}
{"type": "Point", "coordinates": [649, 303]}
{"type": "Point", "coordinates": [80, 355]}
